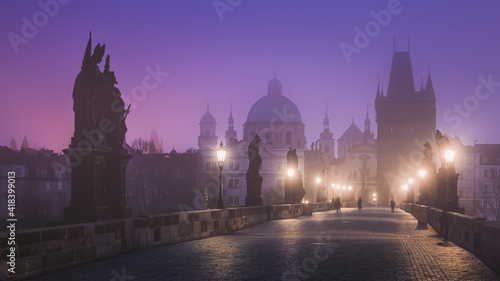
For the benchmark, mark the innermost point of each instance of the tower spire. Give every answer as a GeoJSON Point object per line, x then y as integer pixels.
{"type": "Point", "coordinates": [88, 51]}
{"type": "Point", "coordinates": [378, 86]}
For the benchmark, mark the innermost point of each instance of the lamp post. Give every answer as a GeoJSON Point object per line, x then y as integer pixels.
{"type": "Point", "coordinates": [411, 190]}
{"type": "Point", "coordinates": [221, 156]}
{"type": "Point", "coordinates": [423, 198]}
{"type": "Point", "coordinates": [405, 188]}
{"type": "Point", "coordinates": [450, 171]}
{"type": "Point", "coordinates": [318, 182]}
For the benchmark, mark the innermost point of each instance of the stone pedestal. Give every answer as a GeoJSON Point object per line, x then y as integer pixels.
{"type": "Point", "coordinates": [97, 184]}
{"type": "Point", "coordinates": [254, 189]}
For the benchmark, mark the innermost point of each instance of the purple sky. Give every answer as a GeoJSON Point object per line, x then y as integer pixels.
{"type": "Point", "coordinates": [216, 61]}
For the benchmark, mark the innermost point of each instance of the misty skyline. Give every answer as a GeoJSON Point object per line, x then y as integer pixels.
{"type": "Point", "coordinates": [209, 60]}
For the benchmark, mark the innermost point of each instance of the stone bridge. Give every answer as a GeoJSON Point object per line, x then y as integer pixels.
{"type": "Point", "coordinates": [284, 242]}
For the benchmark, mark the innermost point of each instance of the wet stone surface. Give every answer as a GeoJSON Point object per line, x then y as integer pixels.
{"type": "Point", "coordinates": [373, 244]}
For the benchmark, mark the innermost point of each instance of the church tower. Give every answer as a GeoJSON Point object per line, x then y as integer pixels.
{"type": "Point", "coordinates": [231, 135]}
{"type": "Point", "coordinates": [367, 134]}
{"type": "Point", "coordinates": [207, 140]}
{"type": "Point", "coordinates": [405, 119]}
{"type": "Point", "coordinates": [326, 143]}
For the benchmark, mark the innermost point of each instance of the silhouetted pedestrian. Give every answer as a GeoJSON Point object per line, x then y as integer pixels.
{"type": "Point", "coordinates": [360, 203]}
{"type": "Point", "coordinates": [393, 204]}
{"type": "Point", "coordinates": [337, 204]}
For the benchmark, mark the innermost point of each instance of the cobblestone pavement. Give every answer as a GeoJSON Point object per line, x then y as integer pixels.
{"type": "Point", "coordinates": [373, 244]}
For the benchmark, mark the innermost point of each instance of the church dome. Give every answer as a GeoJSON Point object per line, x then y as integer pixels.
{"type": "Point", "coordinates": [274, 106]}
{"type": "Point", "coordinates": [207, 118]}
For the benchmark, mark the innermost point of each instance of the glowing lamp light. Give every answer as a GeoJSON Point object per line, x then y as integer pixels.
{"type": "Point", "coordinates": [410, 180]}
{"type": "Point", "coordinates": [318, 180]}
{"type": "Point", "coordinates": [338, 186]}
{"type": "Point", "coordinates": [449, 155]}
{"type": "Point", "coordinates": [290, 173]}
{"type": "Point", "coordinates": [307, 202]}
{"type": "Point", "coordinates": [221, 155]}
{"type": "Point", "coordinates": [421, 173]}
{"type": "Point", "coordinates": [343, 187]}
{"type": "Point", "coordinates": [374, 194]}
{"type": "Point", "coordinates": [333, 185]}
{"type": "Point", "coordinates": [404, 187]}
{"type": "Point", "coordinates": [349, 187]}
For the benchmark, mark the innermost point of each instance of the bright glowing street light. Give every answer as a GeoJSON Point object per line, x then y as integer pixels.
{"type": "Point", "coordinates": [449, 155]}
{"type": "Point", "coordinates": [338, 186]}
{"type": "Point", "coordinates": [290, 173]}
{"type": "Point", "coordinates": [318, 180]}
{"type": "Point", "coordinates": [349, 187]}
{"type": "Point", "coordinates": [333, 185]}
{"type": "Point", "coordinates": [405, 187]}
{"type": "Point", "coordinates": [421, 173]}
{"type": "Point", "coordinates": [343, 187]}
{"type": "Point", "coordinates": [410, 180]}
{"type": "Point", "coordinates": [374, 194]}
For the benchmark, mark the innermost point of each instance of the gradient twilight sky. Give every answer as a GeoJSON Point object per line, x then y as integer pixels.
{"type": "Point", "coordinates": [216, 61]}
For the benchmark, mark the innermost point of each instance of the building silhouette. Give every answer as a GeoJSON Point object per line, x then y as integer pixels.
{"type": "Point", "coordinates": [405, 117]}
{"type": "Point", "coordinates": [277, 120]}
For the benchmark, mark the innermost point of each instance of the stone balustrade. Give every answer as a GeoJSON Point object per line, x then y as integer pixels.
{"type": "Point", "coordinates": [473, 234]}
{"type": "Point", "coordinates": [43, 250]}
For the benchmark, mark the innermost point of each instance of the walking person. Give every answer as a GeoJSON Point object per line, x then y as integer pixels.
{"type": "Point", "coordinates": [360, 203]}
{"type": "Point", "coordinates": [393, 204]}
{"type": "Point", "coordinates": [337, 204]}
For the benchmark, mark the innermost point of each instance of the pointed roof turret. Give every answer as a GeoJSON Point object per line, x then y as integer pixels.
{"type": "Point", "coordinates": [401, 83]}
{"type": "Point", "coordinates": [326, 134]}
{"type": "Point", "coordinates": [429, 88]}
{"type": "Point", "coordinates": [231, 134]}
{"type": "Point", "coordinates": [378, 89]}
{"type": "Point", "coordinates": [367, 133]}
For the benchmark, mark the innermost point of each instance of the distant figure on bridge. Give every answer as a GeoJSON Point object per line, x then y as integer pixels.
{"type": "Point", "coordinates": [393, 204]}
{"type": "Point", "coordinates": [360, 203]}
{"type": "Point", "coordinates": [336, 205]}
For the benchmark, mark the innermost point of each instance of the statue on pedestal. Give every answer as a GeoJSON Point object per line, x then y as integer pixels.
{"type": "Point", "coordinates": [294, 188]}
{"type": "Point", "coordinates": [254, 180]}
{"type": "Point", "coordinates": [98, 159]}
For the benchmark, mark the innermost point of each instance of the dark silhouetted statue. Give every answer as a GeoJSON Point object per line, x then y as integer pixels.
{"type": "Point", "coordinates": [254, 180]}
{"type": "Point", "coordinates": [98, 159]}
{"type": "Point", "coordinates": [294, 188]}
{"type": "Point", "coordinates": [447, 178]}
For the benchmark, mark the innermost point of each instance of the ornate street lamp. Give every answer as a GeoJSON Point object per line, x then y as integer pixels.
{"type": "Point", "coordinates": [451, 189]}
{"type": "Point", "coordinates": [423, 198]}
{"type": "Point", "coordinates": [449, 155]}
{"type": "Point", "coordinates": [405, 188]}
{"type": "Point", "coordinates": [421, 173]}
{"type": "Point", "coordinates": [411, 190]}
{"type": "Point", "coordinates": [221, 156]}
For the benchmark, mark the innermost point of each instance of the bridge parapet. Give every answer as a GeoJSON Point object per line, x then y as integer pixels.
{"type": "Point", "coordinates": [474, 234]}
{"type": "Point", "coordinates": [43, 250]}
